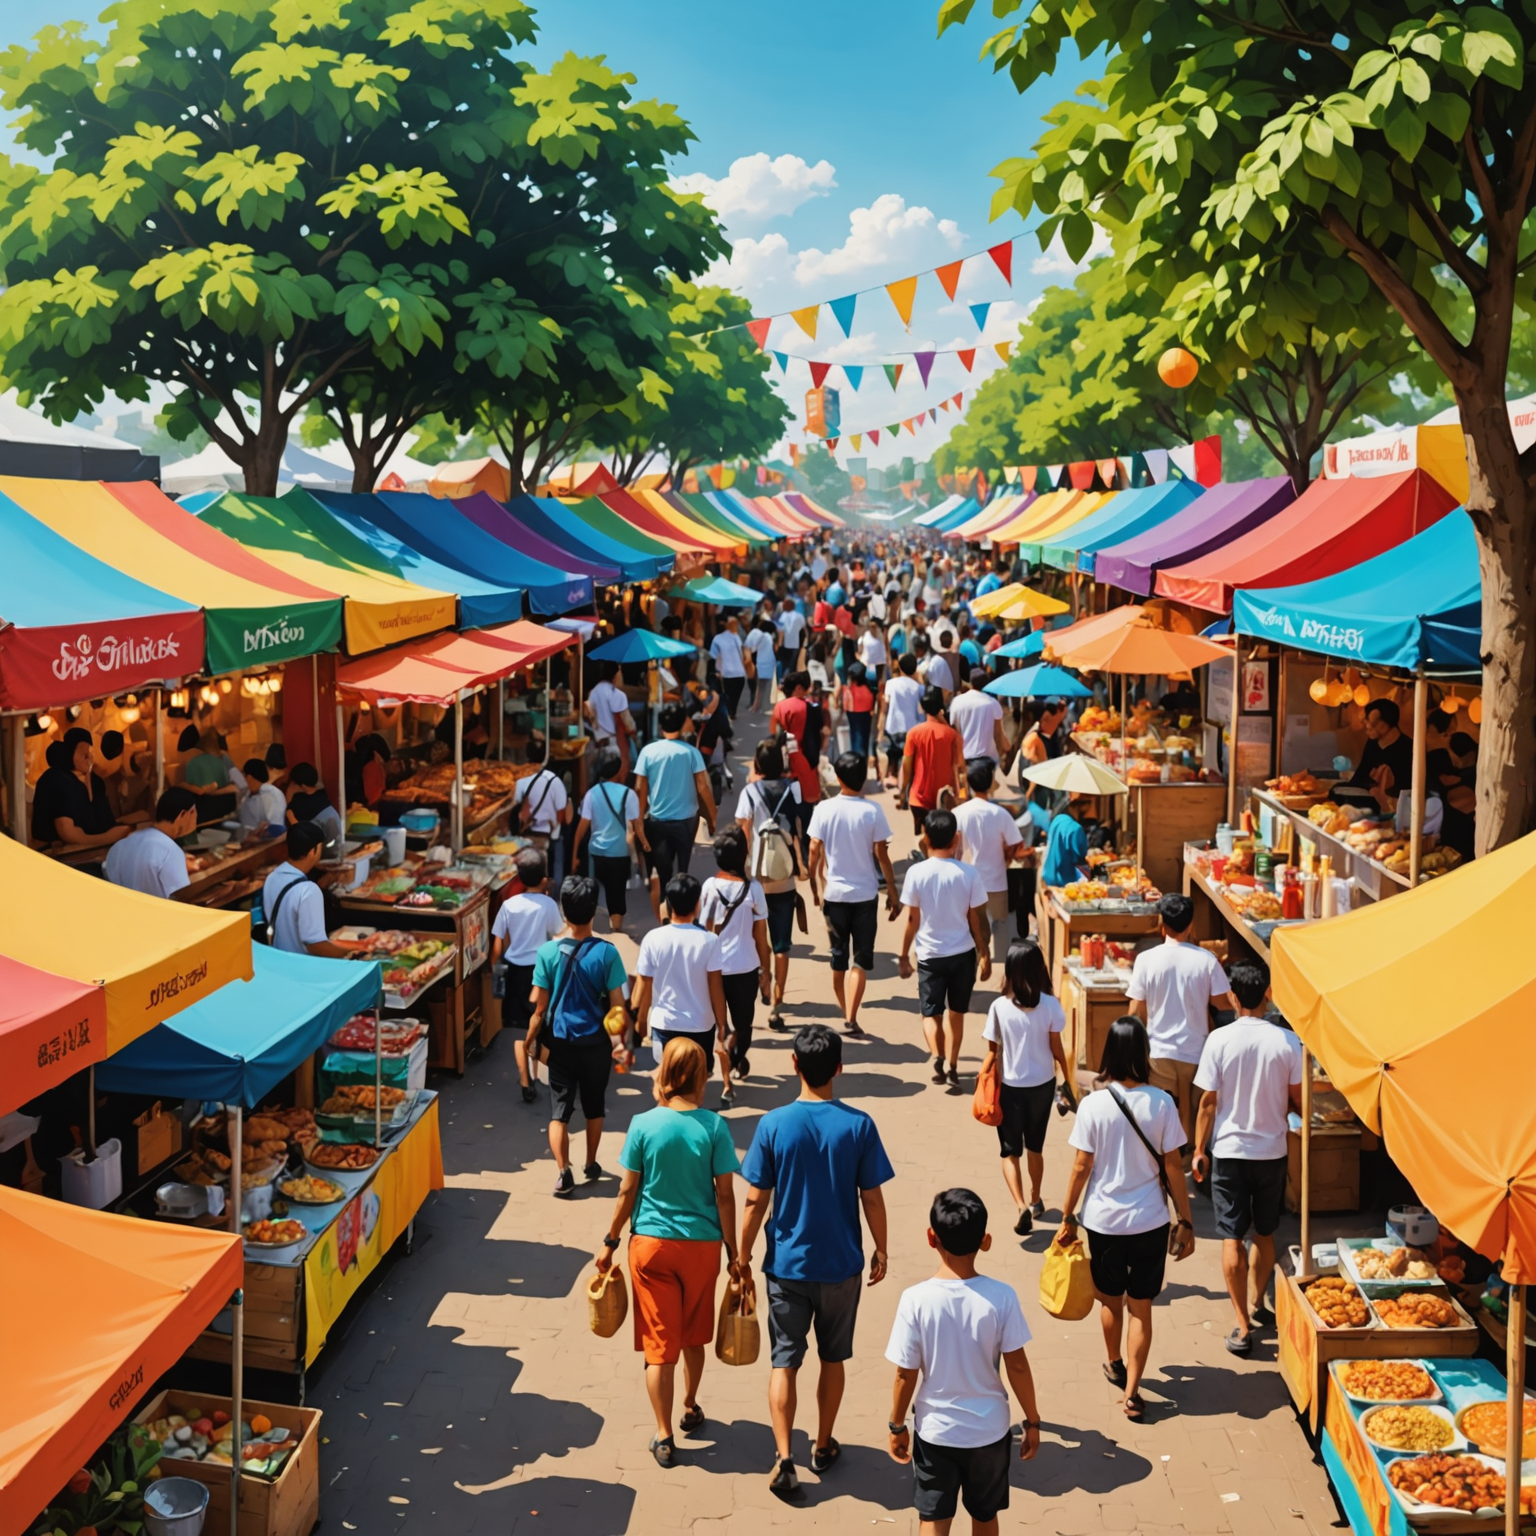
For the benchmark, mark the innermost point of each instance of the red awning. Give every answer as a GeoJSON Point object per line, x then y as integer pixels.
{"type": "Point", "coordinates": [1332, 525]}
{"type": "Point", "coordinates": [769, 510]}
{"type": "Point", "coordinates": [50, 1028]}
{"type": "Point", "coordinates": [653, 525]}
{"type": "Point", "coordinates": [435, 670]}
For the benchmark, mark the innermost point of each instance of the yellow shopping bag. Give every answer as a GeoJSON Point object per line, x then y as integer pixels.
{"type": "Point", "coordinates": [1066, 1287]}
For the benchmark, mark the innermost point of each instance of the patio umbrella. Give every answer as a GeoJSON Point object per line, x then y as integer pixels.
{"type": "Point", "coordinates": [1070, 636]}
{"type": "Point", "coordinates": [1021, 603]}
{"type": "Point", "coordinates": [989, 603]}
{"type": "Point", "coordinates": [718, 592]}
{"type": "Point", "coordinates": [1038, 683]}
{"type": "Point", "coordinates": [1075, 773]}
{"type": "Point", "coordinates": [1033, 644]}
{"type": "Point", "coordinates": [639, 645]}
{"type": "Point", "coordinates": [1142, 648]}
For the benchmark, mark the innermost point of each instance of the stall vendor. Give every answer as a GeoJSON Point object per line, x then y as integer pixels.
{"type": "Point", "coordinates": [294, 905]}
{"type": "Point", "coordinates": [1066, 844]}
{"type": "Point", "coordinates": [151, 861]}
{"type": "Point", "coordinates": [70, 804]}
{"type": "Point", "coordinates": [1387, 760]}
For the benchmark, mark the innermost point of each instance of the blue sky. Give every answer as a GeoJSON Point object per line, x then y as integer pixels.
{"type": "Point", "coordinates": [844, 145]}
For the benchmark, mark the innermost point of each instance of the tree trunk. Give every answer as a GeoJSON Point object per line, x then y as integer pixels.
{"type": "Point", "coordinates": [265, 456]}
{"type": "Point", "coordinates": [1502, 503]}
{"type": "Point", "coordinates": [364, 475]}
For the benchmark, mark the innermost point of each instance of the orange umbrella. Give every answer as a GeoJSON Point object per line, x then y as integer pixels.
{"type": "Point", "coordinates": [1059, 641]}
{"type": "Point", "coordinates": [1143, 649]}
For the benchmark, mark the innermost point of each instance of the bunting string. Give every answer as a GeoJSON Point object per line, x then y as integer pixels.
{"type": "Point", "coordinates": [909, 424]}
{"type": "Point", "coordinates": [924, 361]}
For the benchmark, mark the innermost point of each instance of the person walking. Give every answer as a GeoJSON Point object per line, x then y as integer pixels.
{"type": "Point", "coordinates": [931, 762]}
{"type": "Point", "coordinates": [1023, 1035]}
{"type": "Point", "coordinates": [901, 708]}
{"type": "Point", "coordinates": [731, 662]}
{"type": "Point", "coordinates": [678, 1198]}
{"type": "Point", "coordinates": [679, 990]}
{"type": "Point", "coordinates": [523, 924]}
{"type": "Point", "coordinates": [945, 901]}
{"type": "Point", "coordinates": [850, 850]}
{"type": "Point", "coordinates": [610, 823]}
{"type": "Point", "coordinates": [804, 728]}
{"type": "Point", "coordinates": [1173, 988]}
{"type": "Point", "coordinates": [1127, 1172]}
{"type": "Point", "coordinates": [767, 813]}
{"type": "Point", "coordinates": [990, 840]}
{"type": "Point", "coordinates": [1249, 1079]}
{"type": "Point", "coordinates": [673, 787]}
{"type": "Point", "coordinates": [790, 624]}
{"type": "Point", "coordinates": [979, 719]}
{"type": "Point", "coordinates": [761, 656]}
{"type": "Point", "coordinates": [816, 1163]}
{"type": "Point", "coordinates": [951, 1334]}
{"type": "Point", "coordinates": [856, 703]}
{"type": "Point", "coordinates": [607, 708]}
{"type": "Point", "coordinates": [542, 810]}
{"type": "Point", "coordinates": [872, 650]}
{"type": "Point", "coordinates": [576, 981]}
{"type": "Point", "coordinates": [735, 910]}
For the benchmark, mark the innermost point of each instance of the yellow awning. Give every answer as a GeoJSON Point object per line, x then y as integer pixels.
{"type": "Point", "coordinates": [711, 537]}
{"type": "Point", "coordinates": [151, 957]}
{"type": "Point", "coordinates": [1040, 512]}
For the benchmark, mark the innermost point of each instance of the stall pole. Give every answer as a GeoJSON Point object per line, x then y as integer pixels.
{"type": "Point", "coordinates": [1305, 1200]}
{"type": "Point", "coordinates": [90, 1114]}
{"type": "Point", "coordinates": [236, 1404]}
{"type": "Point", "coordinates": [18, 728]}
{"type": "Point", "coordinates": [1416, 822]}
{"type": "Point", "coordinates": [314, 705]}
{"type": "Point", "coordinates": [236, 1181]}
{"type": "Point", "coordinates": [458, 773]}
{"type": "Point", "coordinates": [341, 770]}
{"type": "Point", "coordinates": [549, 705]}
{"type": "Point", "coordinates": [1514, 1430]}
{"type": "Point", "coordinates": [501, 719]}
{"type": "Point", "coordinates": [1237, 704]}
{"type": "Point", "coordinates": [378, 1075]}
{"type": "Point", "coordinates": [159, 743]}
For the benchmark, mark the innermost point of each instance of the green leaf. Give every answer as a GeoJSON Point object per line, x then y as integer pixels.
{"type": "Point", "coordinates": [1404, 129]}
{"type": "Point", "coordinates": [1492, 46]}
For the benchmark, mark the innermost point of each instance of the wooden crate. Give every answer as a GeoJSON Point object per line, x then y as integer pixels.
{"type": "Point", "coordinates": [274, 1307]}
{"type": "Point", "coordinates": [287, 1505]}
{"type": "Point", "coordinates": [1335, 1169]}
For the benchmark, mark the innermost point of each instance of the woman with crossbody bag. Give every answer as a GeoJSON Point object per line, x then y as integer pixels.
{"type": "Point", "coordinates": [610, 817]}
{"type": "Point", "coordinates": [733, 907]}
{"type": "Point", "coordinates": [1127, 1173]}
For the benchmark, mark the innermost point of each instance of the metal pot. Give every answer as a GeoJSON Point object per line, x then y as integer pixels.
{"type": "Point", "coordinates": [175, 1506]}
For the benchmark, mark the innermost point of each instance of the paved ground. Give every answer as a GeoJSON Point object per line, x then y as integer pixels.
{"type": "Point", "coordinates": [466, 1394]}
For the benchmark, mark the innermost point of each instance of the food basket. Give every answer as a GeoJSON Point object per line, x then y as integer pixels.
{"type": "Point", "coordinates": [1380, 1293]}
{"type": "Point", "coordinates": [1432, 1515]}
{"type": "Point", "coordinates": [1350, 1249]}
{"type": "Point", "coordinates": [1494, 1448]}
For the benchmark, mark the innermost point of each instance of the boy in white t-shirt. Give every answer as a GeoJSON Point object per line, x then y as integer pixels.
{"type": "Point", "coordinates": [524, 922]}
{"type": "Point", "coordinates": [946, 902]}
{"type": "Point", "coordinates": [679, 988]}
{"type": "Point", "coordinates": [734, 909]}
{"type": "Point", "coordinates": [950, 1334]}
{"type": "Point", "coordinates": [990, 841]}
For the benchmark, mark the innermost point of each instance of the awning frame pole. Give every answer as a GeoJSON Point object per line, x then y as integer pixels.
{"type": "Point", "coordinates": [1237, 704]}
{"type": "Point", "coordinates": [236, 1403]}
{"type": "Point", "coordinates": [159, 743]}
{"type": "Point", "coordinates": [1305, 1200]}
{"type": "Point", "coordinates": [457, 824]}
{"type": "Point", "coordinates": [1514, 1370]}
{"type": "Point", "coordinates": [341, 770]}
{"type": "Point", "coordinates": [1420, 773]}
{"type": "Point", "coordinates": [17, 725]}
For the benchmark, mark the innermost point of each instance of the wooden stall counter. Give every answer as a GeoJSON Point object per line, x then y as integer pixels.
{"type": "Point", "coordinates": [1167, 817]}
{"type": "Point", "coordinates": [1091, 1001]}
{"type": "Point", "coordinates": [1062, 925]}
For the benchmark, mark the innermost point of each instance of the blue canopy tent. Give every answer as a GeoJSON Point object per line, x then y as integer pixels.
{"type": "Point", "coordinates": [718, 592]}
{"type": "Point", "coordinates": [1419, 604]}
{"type": "Point", "coordinates": [960, 515]}
{"type": "Point", "coordinates": [1038, 683]}
{"type": "Point", "coordinates": [1129, 515]}
{"type": "Point", "coordinates": [1033, 644]}
{"type": "Point", "coordinates": [735, 506]}
{"type": "Point", "coordinates": [555, 525]}
{"type": "Point", "coordinates": [237, 1045]}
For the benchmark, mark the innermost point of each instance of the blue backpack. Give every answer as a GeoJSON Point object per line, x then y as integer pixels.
{"type": "Point", "coordinates": [575, 1010]}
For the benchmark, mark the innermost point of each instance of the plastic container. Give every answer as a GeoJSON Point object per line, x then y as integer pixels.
{"type": "Point", "coordinates": [419, 819]}
{"type": "Point", "coordinates": [97, 1184]}
{"type": "Point", "coordinates": [175, 1506]}
{"type": "Point", "coordinates": [1412, 1226]}
{"type": "Point", "coordinates": [394, 845]}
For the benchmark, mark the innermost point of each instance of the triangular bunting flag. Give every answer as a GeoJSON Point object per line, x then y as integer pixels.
{"type": "Point", "coordinates": [967, 357]}
{"type": "Point", "coordinates": [832, 444]}
{"type": "Point", "coordinates": [893, 373]}
{"type": "Point", "coordinates": [894, 429]}
{"type": "Point", "coordinates": [819, 372]}
{"type": "Point", "coordinates": [806, 319]}
{"type": "Point", "coordinates": [857, 439]}
{"type": "Point", "coordinates": [1081, 474]}
{"type": "Point", "coordinates": [1027, 476]}
{"type": "Point", "coordinates": [933, 415]}
{"type": "Point", "coordinates": [908, 422]}
{"type": "Point", "coordinates": [1002, 255]}
{"type": "Point", "coordinates": [949, 277]}
{"type": "Point", "coordinates": [944, 405]}
{"type": "Point", "coordinates": [924, 361]}
{"type": "Point", "coordinates": [979, 315]}
{"type": "Point", "coordinates": [842, 311]}
{"type": "Point", "coordinates": [874, 436]}
{"type": "Point", "coordinates": [902, 295]}
{"type": "Point", "coordinates": [758, 330]}
{"type": "Point", "coordinates": [854, 375]}
{"type": "Point", "coordinates": [782, 359]}
{"type": "Point", "coordinates": [1003, 348]}
{"type": "Point", "coordinates": [956, 397]}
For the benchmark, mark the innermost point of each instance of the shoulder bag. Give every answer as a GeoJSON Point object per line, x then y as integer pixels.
{"type": "Point", "coordinates": [1175, 1247]}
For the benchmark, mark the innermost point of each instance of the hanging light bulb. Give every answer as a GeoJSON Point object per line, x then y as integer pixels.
{"type": "Point", "coordinates": [130, 699]}
{"type": "Point", "coordinates": [225, 686]}
{"type": "Point", "coordinates": [1362, 695]}
{"type": "Point", "coordinates": [275, 682]}
{"type": "Point", "coordinates": [45, 722]}
{"type": "Point", "coordinates": [131, 715]}
{"type": "Point", "coordinates": [1451, 703]}
{"type": "Point", "coordinates": [1319, 690]}
{"type": "Point", "coordinates": [1475, 710]}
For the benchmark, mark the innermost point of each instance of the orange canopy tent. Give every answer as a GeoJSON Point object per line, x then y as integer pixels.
{"type": "Point", "coordinates": [50, 1028]}
{"type": "Point", "coordinates": [451, 481]}
{"type": "Point", "coordinates": [1142, 649]}
{"type": "Point", "coordinates": [436, 670]}
{"type": "Point", "coordinates": [93, 1309]}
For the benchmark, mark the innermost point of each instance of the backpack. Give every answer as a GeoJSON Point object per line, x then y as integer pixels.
{"type": "Point", "coordinates": [528, 813]}
{"type": "Point", "coordinates": [773, 852]}
{"type": "Point", "coordinates": [575, 1013]}
{"type": "Point", "coordinates": [729, 909]}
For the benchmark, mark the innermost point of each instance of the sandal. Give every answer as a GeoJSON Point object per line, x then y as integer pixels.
{"type": "Point", "coordinates": [1114, 1373]}
{"type": "Point", "coordinates": [824, 1457]}
{"type": "Point", "coordinates": [1135, 1409]}
{"type": "Point", "coordinates": [692, 1419]}
{"type": "Point", "coordinates": [1238, 1342]}
{"type": "Point", "coordinates": [665, 1451]}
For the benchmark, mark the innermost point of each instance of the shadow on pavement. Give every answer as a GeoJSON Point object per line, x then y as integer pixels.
{"type": "Point", "coordinates": [1198, 1391]}
{"type": "Point", "coordinates": [1078, 1459]}
{"type": "Point", "coordinates": [744, 1447]}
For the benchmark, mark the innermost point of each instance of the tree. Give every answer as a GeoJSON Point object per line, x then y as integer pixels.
{"type": "Point", "coordinates": [719, 403]}
{"type": "Point", "coordinates": [826, 480]}
{"type": "Point", "coordinates": [1395, 135]}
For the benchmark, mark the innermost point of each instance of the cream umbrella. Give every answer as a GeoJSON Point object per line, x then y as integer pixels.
{"type": "Point", "coordinates": [1077, 774]}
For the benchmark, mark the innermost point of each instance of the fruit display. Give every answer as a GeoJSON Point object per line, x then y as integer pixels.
{"type": "Point", "coordinates": [1097, 718]}
{"type": "Point", "coordinates": [347, 1157]}
{"type": "Point", "coordinates": [1393, 1264]}
{"type": "Point", "coordinates": [1417, 1309]}
{"type": "Point", "coordinates": [1085, 890]}
{"type": "Point", "coordinates": [276, 1234]}
{"type": "Point", "coordinates": [1408, 1429]}
{"type": "Point", "coordinates": [1485, 1425]}
{"type": "Point", "coordinates": [1453, 1482]}
{"type": "Point", "coordinates": [307, 1190]}
{"type": "Point", "coordinates": [410, 960]}
{"type": "Point", "coordinates": [1338, 1303]}
{"type": "Point", "coordinates": [393, 1038]}
{"type": "Point", "coordinates": [1380, 1381]}
{"type": "Point", "coordinates": [194, 1436]}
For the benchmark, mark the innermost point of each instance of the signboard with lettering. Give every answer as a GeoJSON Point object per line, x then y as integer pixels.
{"type": "Point", "coordinates": [49, 665]}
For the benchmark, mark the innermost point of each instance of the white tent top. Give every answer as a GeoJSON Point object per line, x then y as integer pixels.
{"type": "Point", "coordinates": [19, 425]}
{"type": "Point", "coordinates": [933, 514]}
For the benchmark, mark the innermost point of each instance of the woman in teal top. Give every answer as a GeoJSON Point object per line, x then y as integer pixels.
{"type": "Point", "coordinates": [680, 1202]}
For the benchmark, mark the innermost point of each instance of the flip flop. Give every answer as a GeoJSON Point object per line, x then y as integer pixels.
{"type": "Point", "coordinates": [692, 1419]}
{"type": "Point", "coordinates": [1135, 1409]}
{"type": "Point", "coordinates": [824, 1457]}
{"type": "Point", "coordinates": [665, 1451]}
{"type": "Point", "coordinates": [1114, 1373]}
{"type": "Point", "coordinates": [1238, 1342]}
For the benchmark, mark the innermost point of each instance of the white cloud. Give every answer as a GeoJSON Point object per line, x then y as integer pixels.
{"type": "Point", "coordinates": [757, 189]}
{"type": "Point", "coordinates": [886, 232]}
{"type": "Point", "coordinates": [1054, 261]}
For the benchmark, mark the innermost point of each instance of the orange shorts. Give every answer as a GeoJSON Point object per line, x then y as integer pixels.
{"type": "Point", "coordinates": [674, 1284]}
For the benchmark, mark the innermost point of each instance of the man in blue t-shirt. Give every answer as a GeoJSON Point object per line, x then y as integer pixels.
{"type": "Point", "coordinates": [816, 1161]}
{"type": "Point", "coordinates": [673, 785]}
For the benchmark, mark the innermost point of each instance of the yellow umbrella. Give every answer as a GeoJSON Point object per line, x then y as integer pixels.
{"type": "Point", "coordinates": [1026, 603]}
{"type": "Point", "coordinates": [991, 603]}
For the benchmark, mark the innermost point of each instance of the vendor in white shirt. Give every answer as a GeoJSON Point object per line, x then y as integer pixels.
{"type": "Point", "coordinates": [151, 860]}
{"type": "Point", "coordinates": [265, 808]}
{"type": "Point", "coordinates": [294, 905]}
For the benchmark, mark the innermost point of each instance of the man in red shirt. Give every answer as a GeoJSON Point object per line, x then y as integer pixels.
{"type": "Point", "coordinates": [931, 761]}
{"type": "Point", "coordinates": [789, 716]}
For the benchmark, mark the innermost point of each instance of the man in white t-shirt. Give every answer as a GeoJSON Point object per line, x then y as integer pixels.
{"type": "Point", "coordinates": [760, 648]}
{"type": "Point", "coordinates": [850, 848]}
{"type": "Point", "coordinates": [523, 923]}
{"type": "Point", "coordinates": [293, 904]}
{"type": "Point", "coordinates": [946, 904]}
{"type": "Point", "coordinates": [901, 709]}
{"type": "Point", "coordinates": [979, 719]}
{"type": "Point", "coordinates": [872, 652]}
{"type": "Point", "coordinates": [678, 987]}
{"type": "Point", "coordinates": [150, 860]}
{"type": "Point", "coordinates": [1173, 988]}
{"type": "Point", "coordinates": [265, 808]}
{"type": "Point", "coordinates": [731, 663]}
{"type": "Point", "coordinates": [989, 840]}
{"type": "Point", "coordinates": [791, 627]}
{"type": "Point", "coordinates": [548, 810]}
{"type": "Point", "coordinates": [608, 709]}
{"type": "Point", "coordinates": [948, 1339]}
{"type": "Point", "coordinates": [1249, 1078]}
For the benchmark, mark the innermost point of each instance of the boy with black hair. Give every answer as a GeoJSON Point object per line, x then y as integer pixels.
{"type": "Point", "coordinates": [294, 906]}
{"type": "Point", "coordinates": [949, 1335]}
{"type": "Point", "coordinates": [817, 1162]}
{"type": "Point", "coordinates": [1249, 1078]}
{"type": "Point", "coordinates": [576, 981]}
{"type": "Point", "coordinates": [679, 989]}
{"type": "Point", "coordinates": [946, 902]}
{"type": "Point", "coordinates": [266, 807]}
{"type": "Point", "coordinates": [524, 922]}
{"type": "Point", "coordinates": [732, 906]}
{"type": "Point", "coordinates": [901, 708]}
{"type": "Point", "coordinates": [990, 840]}
{"type": "Point", "coordinates": [932, 762]}
{"type": "Point", "coordinates": [150, 860]}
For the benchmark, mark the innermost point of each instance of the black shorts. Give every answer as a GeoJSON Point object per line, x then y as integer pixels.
{"type": "Point", "coordinates": [578, 1067]}
{"type": "Point", "coordinates": [741, 994]}
{"type": "Point", "coordinates": [1128, 1264]}
{"type": "Point", "coordinates": [781, 921]}
{"type": "Point", "coordinates": [1026, 1116]}
{"type": "Point", "coordinates": [946, 982]}
{"type": "Point", "coordinates": [852, 924]}
{"type": "Point", "coordinates": [1247, 1192]}
{"type": "Point", "coordinates": [919, 816]}
{"type": "Point", "coordinates": [517, 1005]}
{"type": "Point", "coordinates": [795, 1305]}
{"type": "Point", "coordinates": [947, 1475]}
{"type": "Point", "coordinates": [612, 873]}
{"type": "Point", "coordinates": [671, 846]}
{"type": "Point", "coordinates": [708, 1043]}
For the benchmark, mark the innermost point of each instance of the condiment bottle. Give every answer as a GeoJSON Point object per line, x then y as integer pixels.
{"type": "Point", "coordinates": [1292, 897]}
{"type": "Point", "coordinates": [1327, 897]}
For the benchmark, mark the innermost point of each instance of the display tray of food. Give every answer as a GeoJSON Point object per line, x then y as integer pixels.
{"type": "Point", "coordinates": [1337, 1303]}
{"type": "Point", "coordinates": [1386, 1381]}
{"type": "Point", "coordinates": [309, 1190]}
{"type": "Point", "coordinates": [1297, 791]}
{"type": "Point", "coordinates": [410, 961]}
{"type": "Point", "coordinates": [349, 1111]}
{"type": "Point", "coordinates": [1108, 895]}
{"type": "Point", "coordinates": [1484, 1426]}
{"type": "Point", "coordinates": [275, 1234]}
{"type": "Point", "coordinates": [192, 1435]}
{"type": "Point", "coordinates": [345, 1157]}
{"type": "Point", "coordinates": [390, 1038]}
{"type": "Point", "coordinates": [1380, 1260]}
{"type": "Point", "coordinates": [1405, 1307]}
{"type": "Point", "coordinates": [1418, 1427]}
{"type": "Point", "coordinates": [1447, 1486]}
{"type": "Point", "coordinates": [487, 785]}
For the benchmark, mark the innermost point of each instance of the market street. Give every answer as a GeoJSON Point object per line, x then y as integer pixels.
{"type": "Point", "coordinates": [469, 1395]}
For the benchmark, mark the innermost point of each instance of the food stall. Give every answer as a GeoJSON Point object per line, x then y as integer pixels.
{"type": "Point", "coordinates": [1429, 1053]}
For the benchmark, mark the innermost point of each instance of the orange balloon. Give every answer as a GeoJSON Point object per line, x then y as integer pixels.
{"type": "Point", "coordinates": [1177, 368]}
